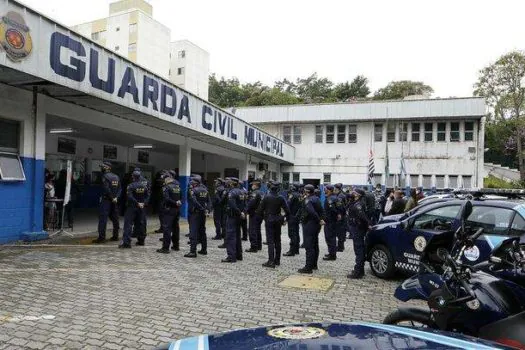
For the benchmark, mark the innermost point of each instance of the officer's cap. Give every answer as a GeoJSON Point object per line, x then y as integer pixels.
{"type": "Point", "coordinates": [172, 173]}
{"type": "Point", "coordinates": [360, 191]}
{"type": "Point", "coordinates": [256, 181]}
{"type": "Point", "coordinates": [234, 180]}
{"type": "Point", "coordinates": [105, 165]}
{"type": "Point", "coordinates": [338, 185]}
{"type": "Point", "coordinates": [196, 178]}
{"type": "Point", "coordinates": [329, 187]}
{"type": "Point", "coordinates": [309, 188]}
{"type": "Point", "coordinates": [219, 180]}
{"type": "Point", "coordinates": [136, 173]}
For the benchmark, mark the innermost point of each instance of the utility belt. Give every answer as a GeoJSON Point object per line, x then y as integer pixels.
{"type": "Point", "coordinates": [274, 218]}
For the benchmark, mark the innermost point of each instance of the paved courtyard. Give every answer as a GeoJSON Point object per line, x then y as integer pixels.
{"type": "Point", "coordinates": [101, 297]}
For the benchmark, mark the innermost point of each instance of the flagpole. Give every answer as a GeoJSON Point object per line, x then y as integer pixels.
{"type": "Point", "coordinates": [387, 165]}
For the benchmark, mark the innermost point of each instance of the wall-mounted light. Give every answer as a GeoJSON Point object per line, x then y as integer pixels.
{"type": "Point", "coordinates": [61, 131]}
{"type": "Point", "coordinates": [142, 146]}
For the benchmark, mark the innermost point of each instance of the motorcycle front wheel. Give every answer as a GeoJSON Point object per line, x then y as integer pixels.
{"type": "Point", "coordinates": [412, 317]}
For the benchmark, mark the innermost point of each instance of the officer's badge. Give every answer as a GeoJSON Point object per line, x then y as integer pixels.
{"type": "Point", "coordinates": [15, 38]}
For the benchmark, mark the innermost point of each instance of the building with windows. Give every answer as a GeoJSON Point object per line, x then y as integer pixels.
{"type": "Point", "coordinates": [190, 67]}
{"type": "Point", "coordinates": [434, 143]}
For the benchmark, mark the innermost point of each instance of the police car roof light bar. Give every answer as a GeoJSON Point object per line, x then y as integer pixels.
{"type": "Point", "coordinates": [504, 192]}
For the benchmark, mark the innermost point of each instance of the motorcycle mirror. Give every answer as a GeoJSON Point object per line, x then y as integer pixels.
{"type": "Point", "coordinates": [466, 210]}
{"type": "Point", "coordinates": [442, 254]}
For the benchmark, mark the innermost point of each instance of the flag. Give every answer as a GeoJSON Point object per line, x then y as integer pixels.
{"type": "Point", "coordinates": [387, 165]}
{"type": "Point", "coordinates": [371, 167]}
{"type": "Point", "coordinates": [403, 171]}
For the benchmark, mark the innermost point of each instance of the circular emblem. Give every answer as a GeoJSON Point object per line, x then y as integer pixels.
{"type": "Point", "coordinates": [420, 243]}
{"type": "Point", "coordinates": [472, 254]}
{"type": "Point", "coordinates": [296, 332]}
{"type": "Point", "coordinates": [15, 39]}
{"type": "Point", "coordinates": [473, 304]}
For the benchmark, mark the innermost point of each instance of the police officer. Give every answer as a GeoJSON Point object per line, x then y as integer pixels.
{"type": "Point", "coordinates": [108, 203]}
{"type": "Point", "coordinates": [312, 220]}
{"type": "Point", "coordinates": [341, 218]}
{"type": "Point", "coordinates": [270, 210]}
{"type": "Point", "coordinates": [170, 206]}
{"type": "Point", "coordinates": [234, 214]}
{"type": "Point", "coordinates": [138, 194]}
{"type": "Point", "coordinates": [139, 231]}
{"type": "Point", "coordinates": [369, 201]}
{"type": "Point", "coordinates": [333, 207]}
{"type": "Point", "coordinates": [294, 203]}
{"type": "Point", "coordinates": [199, 202]}
{"type": "Point", "coordinates": [227, 189]}
{"type": "Point", "coordinates": [362, 224]}
{"type": "Point", "coordinates": [255, 221]}
{"type": "Point", "coordinates": [175, 227]}
{"type": "Point", "coordinates": [244, 221]}
{"type": "Point", "coordinates": [218, 209]}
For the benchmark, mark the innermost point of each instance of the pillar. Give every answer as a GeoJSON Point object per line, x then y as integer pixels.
{"type": "Point", "coordinates": [184, 174]}
{"type": "Point", "coordinates": [243, 171]}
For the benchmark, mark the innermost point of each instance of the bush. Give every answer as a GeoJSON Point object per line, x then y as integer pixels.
{"type": "Point", "coordinates": [494, 182]}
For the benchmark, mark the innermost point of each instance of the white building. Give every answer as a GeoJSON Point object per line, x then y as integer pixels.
{"type": "Point", "coordinates": [440, 140]}
{"type": "Point", "coordinates": [190, 67]}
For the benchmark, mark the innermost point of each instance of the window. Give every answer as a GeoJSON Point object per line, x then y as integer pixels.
{"type": "Point", "coordinates": [286, 177]}
{"type": "Point", "coordinates": [416, 131]}
{"type": "Point", "coordinates": [429, 130]}
{"type": "Point", "coordinates": [442, 131]}
{"type": "Point", "coordinates": [133, 28]}
{"type": "Point", "coordinates": [378, 132]}
{"type": "Point", "coordinates": [330, 132]}
{"type": "Point", "coordinates": [296, 134]}
{"type": "Point", "coordinates": [327, 178]}
{"type": "Point", "coordinates": [352, 133]}
{"type": "Point", "coordinates": [403, 132]}
{"type": "Point", "coordinates": [117, 48]}
{"type": "Point", "coordinates": [467, 181]}
{"type": "Point", "coordinates": [452, 181]}
{"type": "Point", "coordinates": [391, 133]}
{"type": "Point", "coordinates": [469, 131]}
{"type": "Point", "coordinates": [318, 134]}
{"type": "Point", "coordinates": [493, 220]}
{"type": "Point", "coordinates": [180, 71]}
{"type": "Point", "coordinates": [414, 180]}
{"type": "Point", "coordinates": [427, 181]}
{"type": "Point", "coordinates": [9, 136]}
{"type": "Point", "coordinates": [274, 175]}
{"type": "Point", "coordinates": [377, 178]}
{"type": "Point", "coordinates": [182, 54]}
{"type": "Point", "coordinates": [341, 133]}
{"type": "Point", "coordinates": [117, 29]}
{"type": "Point", "coordinates": [454, 132]}
{"type": "Point", "coordinates": [296, 177]}
{"type": "Point", "coordinates": [518, 226]}
{"type": "Point", "coordinates": [132, 47]}
{"type": "Point", "coordinates": [11, 167]}
{"type": "Point", "coordinates": [287, 133]}
{"type": "Point", "coordinates": [440, 181]}
{"type": "Point", "coordinates": [444, 215]}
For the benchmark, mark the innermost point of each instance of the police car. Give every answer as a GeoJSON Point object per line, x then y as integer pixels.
{"type": "Point", "coordinates": [397, 246]}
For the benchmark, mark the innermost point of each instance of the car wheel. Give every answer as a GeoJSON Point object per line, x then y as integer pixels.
{"type": "Point", "coordinates": [381, 262]}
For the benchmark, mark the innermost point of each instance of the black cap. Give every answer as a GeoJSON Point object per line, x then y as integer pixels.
{"type": "Point", "coordinates": [106, 165]}
{"type": "Point", "coordinates": [338, 185]}
{"type": "Point", "coordinates": [256, 181]}
{"type": "Point", "coordinates": [136, 174]}
{"type": "Point", "coordinates": [196, 178]}
{"type": "Point", "coordinates": [309, 188]}
{"type": "Point", "coordinates": [329, 187]}
{"type": "Point", "coordinates": [234, 179]}
{"type": "Point", "coordinates": [360, 191]}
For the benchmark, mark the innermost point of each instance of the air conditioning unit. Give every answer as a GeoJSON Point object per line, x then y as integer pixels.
{"type": "Point", "coordinates": [263, 166]}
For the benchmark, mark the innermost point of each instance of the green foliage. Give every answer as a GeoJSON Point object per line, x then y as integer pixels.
{"type": "Point", "coordinates": [401, 89]}
{"type": "Point", "coordinates": [494, 182]}
{"type": "Point", "coordinates": [358, 88]}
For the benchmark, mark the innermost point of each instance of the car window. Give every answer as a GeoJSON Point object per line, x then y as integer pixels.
{"type": "Point", "coordinates": [437, 219]}
{"type": "Point", "coordinates": [518, 226]}
{"type": "Point", "coordinates": [493, 220]}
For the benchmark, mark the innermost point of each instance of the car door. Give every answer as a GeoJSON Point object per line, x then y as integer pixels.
{"type": "Point", "coordinates": [419, 229]}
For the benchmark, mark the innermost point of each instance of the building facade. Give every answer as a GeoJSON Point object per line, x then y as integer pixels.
{"type": "Point", "coordinates": [440, 142]}
{"type": "Point", "coordinates": [190, 67]}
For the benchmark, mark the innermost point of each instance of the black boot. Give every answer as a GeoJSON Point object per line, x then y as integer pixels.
{"type": "Point", "coordinates": [202, 252]}
{"type": "Point", "coordinates": [163, 251]}
{"type": "Point", "coordinates": [114, 238]}
{"type": "Point", "coordinates": [223, 246]}
{"type": "Point", "coordinates": [288, 253]}
{"type": "Point", "coordinates": [329, 257]}
{"type": "Point", "coordinates": [305, 270]}
{"type": "Point", "coordinates": [269, 264]}
{"type": "Point", "coordinates": [251, 250]}
{"type": "Point", "coordinates": [216, 238]}
{"type": "Point", "coordinates": [190, 255]}
{"type": "Point", "coordinates": [341, 249]}
{"type": "Point", "coordinates": [98, 240]}
{"type": "Point", "coordinates": [124, 246]}
{"type": "Point", "coordinates": [140, 243]}
{"type": "Point", "coordinates": [227, 260]}
{"type": "Point", "coordinates": [356, 275]}
{"type": "Point", "coordinates": [159, 230]}
{"type": "Point", "coordinates": [175, 249]}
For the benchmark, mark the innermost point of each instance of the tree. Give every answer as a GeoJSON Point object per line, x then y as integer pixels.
{"type": "Point", "coordinates": [272, 97]}
{"type": "Point", "coordinates": [400, 89]}
{"type": "Point", "coordinates": [358, 88]}
{"type": "Point", "coordinates": [225, 93]}
{"type": "Point", "coordinates": [314, 89]}
{"type": "Point", "coordinates": [501, 84]}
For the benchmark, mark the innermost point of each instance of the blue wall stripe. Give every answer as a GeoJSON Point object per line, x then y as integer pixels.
{"type": "Point", "coordinates": [184, 181]}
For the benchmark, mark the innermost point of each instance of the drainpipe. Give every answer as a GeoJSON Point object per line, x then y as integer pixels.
{"type": "Point", "coordinates": [480, 156]}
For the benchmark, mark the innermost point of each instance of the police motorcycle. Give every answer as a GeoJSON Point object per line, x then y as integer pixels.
{"type": "Point", "coordinates": [461, 299]}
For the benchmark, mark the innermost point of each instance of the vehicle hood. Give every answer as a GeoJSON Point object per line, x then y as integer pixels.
{"type": "Point", "coordinates": [319, 336]}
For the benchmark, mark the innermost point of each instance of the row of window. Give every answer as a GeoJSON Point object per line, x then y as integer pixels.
{"type": "Point", "coordinates": [10, 165]}
{"type": "Point", "coordinates": [295, 177]}
{"type": "Point", "coordinates": [343, 133]}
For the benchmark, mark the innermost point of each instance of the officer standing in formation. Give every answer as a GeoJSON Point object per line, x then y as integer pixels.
{"type": "Point", "coordinates": [170, 207]}
{"type": "Point", "coordinates": [138, 194]}
{"type": "Point", "coordinates": [255, 220]}
{"type": "Point", "coordinates": [312, 220]}
{"type": "Point", "coordinates": [361, 223]}
{"type": "Point", "coordinates": [198, 206]}
{"type": "Point", "coordinates": [218, 209]}
{"type": "Point", "coordinates": [294, 204]}
{"type": "Point", "coordinates": [333, 207]}
{"type": "Point", "coordinates": [244, 221]}
{"type": "Point", "coordinates": [341, 218]}
{"type": "Point", "coordinates": [108, 203]}
{"type": "Point", "coordinates": [234, 215]}
{"type": "Point", "coordinates": [139, 231]}
{"type": "Point", "coordinates": [270, 210]}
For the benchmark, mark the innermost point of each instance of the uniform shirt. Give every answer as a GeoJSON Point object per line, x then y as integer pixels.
{"type": "Point", "coordinates": [137, 192]}
{"type": "Point", "coordinates": [342, 197]}
{"type": "Point", "coordinates": [272, 204]}
{"type": "Point", "coordinates": [313, 210]}
{"type": "Point", "coordinates": [370, 204]}
{"type": "Point", "coordinates": [357, 215]}
{"type": "Point", "coordinates": [333, 206]}
{"type": "Point", "coordinates": [111, 186]}
{"type": "Point", "coordinates": [199, 198]}
{"type": "Point", "coordinates": [294, 203]}
{"type": "Point", "coordinates": [244, 199]}
{"type": "Point", "coordinates": [233, 206]}
{"type": "Point", "coordinates": [254, 200]}
{"type": "Point", "coordinates": [171, 194]}
{"type": "Point", "coordinates": [218, 197]}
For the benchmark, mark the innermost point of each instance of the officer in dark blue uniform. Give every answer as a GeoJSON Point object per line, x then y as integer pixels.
{"type": "Point", "coordinates": [333, 207]}
{"type": "Point", "coordinates": [227, 189]}
{"type": "Point", "coordinates": [108, 203]}
{"type": "Point", "coordinates": [341, 218]}
{"type": "Point", "coordinates": [361, 223]}
{"type": "Point", "coordinates": [312, 220]}
{"type": "Point", "coordinates": [139, 231]}
{"type": "Point", "coordinates": [255, 220]}
{"type": "Point", "coordinates": [170, 206]}
{"type": "Point", "coordinates": [199, 206]}
{"type": "Point", "coordinates": [138, 195]}
{"type": "Point", "coordinates": [234, 214]}
{"type": "Point", "coordinates": [294, 203]}
{"type": "Point", "coordinates": [218, 209]}
{"type": "Point", "coordinates": [244, 221]}
{"type": "Point", "coordinates": [270, 210]}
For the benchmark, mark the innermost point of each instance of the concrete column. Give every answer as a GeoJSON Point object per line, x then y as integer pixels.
{"type": "Point", "coordinates": [184, 174]}
{"type": "Point", "coordinates": [480, 155]}
{"type": "Point", "coordinates": [243, 171]}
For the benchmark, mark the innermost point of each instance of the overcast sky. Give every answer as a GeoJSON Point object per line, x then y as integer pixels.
{"type": "Point", "coordinates": [442, 43]}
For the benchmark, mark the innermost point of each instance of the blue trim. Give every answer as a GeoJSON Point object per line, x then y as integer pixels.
{"type": "Point", "coordinates": [494, 241]}
{"type": "Point", "coordinates": [322, 196]}
{"type": "Point", "coordinates": [184, 182]}
{"type": "Point", "coordinates": [438, 338]}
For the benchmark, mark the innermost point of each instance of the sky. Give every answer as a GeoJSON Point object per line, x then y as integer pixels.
{"type": "Point", "coordinates": [442, 43]}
